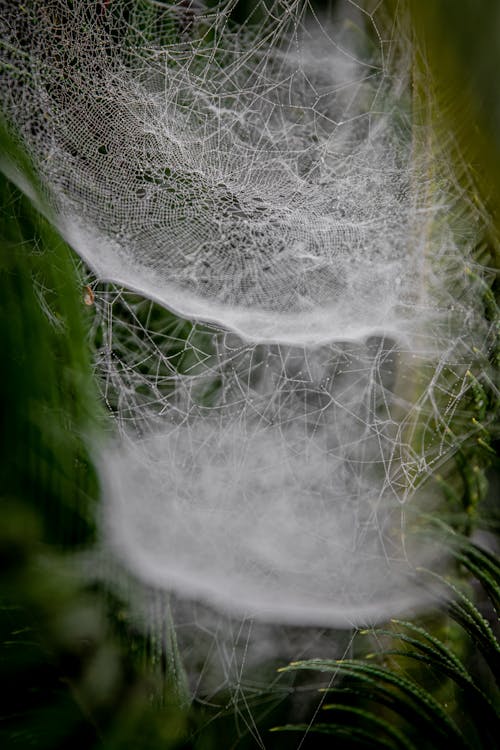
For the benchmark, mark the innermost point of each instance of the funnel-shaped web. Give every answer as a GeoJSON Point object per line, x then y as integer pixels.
{"type": "Point", "coordinates": [266, 185]}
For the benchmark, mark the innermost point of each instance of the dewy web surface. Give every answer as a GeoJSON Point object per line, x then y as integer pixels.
{"type": "Point", "coordinates": [278, 411]}
{"type": "Point", "coordinates": [258, 179]}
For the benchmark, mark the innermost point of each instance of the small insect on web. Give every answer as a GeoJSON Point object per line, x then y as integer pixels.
{"type": "Point", "coordinates": [88, 295]}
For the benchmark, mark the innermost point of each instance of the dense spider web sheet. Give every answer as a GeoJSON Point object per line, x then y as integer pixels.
{"type": "Point", "coordinates": [273, 480]}
{"type": "Point", "coordinates": [270, 484]}
{"type": "Point", "coordinates": [295, 363]}
{"type": "Point", "coordinates": [258, 178]}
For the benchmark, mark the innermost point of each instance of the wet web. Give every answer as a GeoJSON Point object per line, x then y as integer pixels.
{"type": "Point", "coordinates": [288, 317]}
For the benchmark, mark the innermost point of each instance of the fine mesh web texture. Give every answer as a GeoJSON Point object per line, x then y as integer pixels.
{"type": "Point", "coordinates": [257, 178]}
{"type": "Point", "coordinates": [320, 318]}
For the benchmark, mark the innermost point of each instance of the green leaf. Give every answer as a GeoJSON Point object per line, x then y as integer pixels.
{"type": "Point", "coordinates": [398, 693]}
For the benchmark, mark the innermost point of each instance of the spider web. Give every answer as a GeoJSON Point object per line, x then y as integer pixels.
{"type": "Point", "coordinates": [255, 177]}
{"type": "Point", "coordinates": [293, 331]}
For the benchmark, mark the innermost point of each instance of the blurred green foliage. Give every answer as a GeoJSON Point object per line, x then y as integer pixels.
{"type": "Point", "coordinates": [427, 683]}
{"type": "Point", "coordinates": [69, 682]}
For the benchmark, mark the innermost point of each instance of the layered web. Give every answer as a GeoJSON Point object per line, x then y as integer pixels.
{"type": "Point", "coordinates": [288, 321]}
